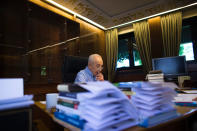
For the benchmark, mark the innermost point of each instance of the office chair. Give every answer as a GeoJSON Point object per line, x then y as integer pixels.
{"type": "Point", "coordinates": [71, 66]}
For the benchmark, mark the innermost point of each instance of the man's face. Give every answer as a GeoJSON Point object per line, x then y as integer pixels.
{"type": "Point", "coordinates": [97, 66]}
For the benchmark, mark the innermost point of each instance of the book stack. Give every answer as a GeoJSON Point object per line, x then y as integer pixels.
{"type": "Point", "coordinates": [188, 98]}
{"type": "Point", "coordinates": [102, 107]}
{"type": "Point", "coordinates": [154, 102]}
{"type": "Point", "coordinates": [155, 76]}
{"type": "Point", "coordinates": [67, 106]}
{"type": "Point", "coordinates": [125, 87]}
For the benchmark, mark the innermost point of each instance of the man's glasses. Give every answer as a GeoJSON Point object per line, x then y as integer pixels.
{"type": "Point", "coordinates": [99, 67]}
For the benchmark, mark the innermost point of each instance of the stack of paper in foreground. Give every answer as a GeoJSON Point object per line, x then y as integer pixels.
{"type": "Point", "coordinates": [12, 94]}
{"type": "Point", "coordinates": [154, 101]}
{"type": "Point", "coordinates": [103, 108]}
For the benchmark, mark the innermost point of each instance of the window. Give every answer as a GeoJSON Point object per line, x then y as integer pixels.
{"type": "Point", "coordinates": [188, 39]}
{"type": "Point", "coordinates": [128, 54]}
{"type": "Point", "coordinates": [187, 50]}
{"type": "Point", "coordinates": [136, 56]}
{"type": "Point", "coordinates": [186, 46]}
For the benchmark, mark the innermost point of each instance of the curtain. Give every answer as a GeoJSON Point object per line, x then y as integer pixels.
{"type": "Point", "coordinates": [143, 42]}
{"type": "Point", "coordinates": [171, 25]}
{"type": "Point", "coordinates": [111, 52]}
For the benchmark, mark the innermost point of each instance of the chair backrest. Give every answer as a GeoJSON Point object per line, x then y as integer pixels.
{"type": "Point", "coordinates": [71, 66]}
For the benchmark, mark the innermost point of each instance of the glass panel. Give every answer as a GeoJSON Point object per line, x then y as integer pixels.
{"type": "Point", "coordinates": [137, 59]}
{"type": "Point", "coordinates": [123, 54]}
{"type": "Point", "coordinates": [187, 50]}
{"type": "Point", "coordinates": [186, 34]}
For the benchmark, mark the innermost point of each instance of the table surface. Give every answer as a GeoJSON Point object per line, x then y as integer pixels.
{"type": "Point", "coordinates": [185, 111]}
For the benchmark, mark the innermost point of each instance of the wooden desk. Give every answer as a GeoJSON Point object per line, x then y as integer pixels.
{"type": "Point", "coordinates": [43, 120]}
{"type": "Point", "coordinates": [183, 123]}
{"type": "Point", "coordinates": [43, 108]}
{"type": "Point", "coordinates": [187, 122]}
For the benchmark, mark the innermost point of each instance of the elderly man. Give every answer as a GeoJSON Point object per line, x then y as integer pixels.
{"type": "Point", "coordinates": [93, 71]}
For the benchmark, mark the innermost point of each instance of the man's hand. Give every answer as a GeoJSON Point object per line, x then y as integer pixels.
{"type": "Point", "coordinates": [100, 77]}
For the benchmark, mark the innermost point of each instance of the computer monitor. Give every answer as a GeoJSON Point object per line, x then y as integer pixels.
{"type": "Point", "coordinates": [172, 67]}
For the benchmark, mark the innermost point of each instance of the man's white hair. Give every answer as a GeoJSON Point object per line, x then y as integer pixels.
{"type": "Point", "coordinates": [92, 58]}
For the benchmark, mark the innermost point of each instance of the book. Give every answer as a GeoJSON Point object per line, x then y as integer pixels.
{"type": "Point", "coordinates": [65, 124]}
{"type": "Point", "coordinates": [155, 75]}
{"type": "Point", "coordinates": [67, 109]}
{"type": "Point", "coordinates": [71, 105]}
{"type": "Point", "coordinates": [155, 72]}
{"type": "Point", "coordinates": [125, 85]}
{"type": "Point", "coordinates": [64, 99]}
{"type": "Point", "coordinates": [156, 80]}
{"type": "Point", "coordinates": [79, 123]}
{"type": "Point", "coordinates": [70, 88]}
{"type": "Point", "coordinates": [74, 116]}
{"type": "Point", "coordinates": [68, 94]}
{"type": "Point", "coordinates": [191, 104]}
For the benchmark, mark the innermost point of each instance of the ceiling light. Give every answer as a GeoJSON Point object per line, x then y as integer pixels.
{"type": "Point", "coordinates": [165, 12]}
{"type": "Point", "coordinates": [75, 14]}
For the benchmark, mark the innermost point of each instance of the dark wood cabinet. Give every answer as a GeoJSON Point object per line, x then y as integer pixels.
{"type": "Point", "coordinates": [12, 37]}
{"type": "Point", "coordinates": [29, 38]}
{"type": "Point", "coordinates": [44, 27]}
{"type": "Point", "coordinates": [26, 33]}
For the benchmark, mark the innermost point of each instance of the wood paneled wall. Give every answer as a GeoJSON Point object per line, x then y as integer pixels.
{"type": "Point", "coordinates": [12, 38]}
{"type": "Point", "coordinates": [45, 29]}
{"type": "Point", "coordinates": [92, 40]}
{"type": "Point", "coordinates": [26, 28]}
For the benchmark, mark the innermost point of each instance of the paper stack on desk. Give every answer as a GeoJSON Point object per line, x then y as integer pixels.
{"type": "Point", "coordinates": [105, 107]}
{"type": "Point", "coordinates": [154, 102]}
{"type": "Point", "coordinates": [102, 107]}
{"type": "Point", "coordinates": [18, 102]}
{"type": "Point", "coordinates": [12, 94]}
{"type": "Point", "coordinates": [125, 87]}
{"type": "Point", "coordinates": [186, 99]}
